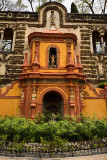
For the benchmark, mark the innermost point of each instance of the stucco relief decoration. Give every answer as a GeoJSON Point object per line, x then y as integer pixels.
{"type": "Point", "coordinates": [33, 103]}
{"type": "Point", "coordinates": [72, 102]}
{"type": "Point", "coordinates": [71, 94]}
{"type": "Point", "coordinates": [34, 94]}
{"type": "Point", "coordinates": [22, 95]}
{"type": "Point", "coordinates": [81, 96]}
{"type": "Point", "coordinates": [52, 18]}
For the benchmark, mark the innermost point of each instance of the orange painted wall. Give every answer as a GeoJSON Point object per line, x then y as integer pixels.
{"type": "Point", "coordinates": [43, 47]}
{"type": "Point", "coordinates": [95, 107]}
{"type": "Point", "coordinates": [8, 105]}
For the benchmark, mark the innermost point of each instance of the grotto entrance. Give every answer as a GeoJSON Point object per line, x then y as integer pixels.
{"type": "Point", "coordinates": [53, 103]}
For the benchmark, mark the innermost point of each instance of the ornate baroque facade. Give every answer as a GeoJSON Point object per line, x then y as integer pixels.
{"type": "Point", "coordinates": [51, 56]}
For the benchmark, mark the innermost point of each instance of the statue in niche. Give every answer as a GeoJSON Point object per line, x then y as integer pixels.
{"type": "Point", "coordinates": [52, 58]}
{"type": "Point", "coordinates": [52, 18]}
{"type": "Point", "coordinates": [52, 21]}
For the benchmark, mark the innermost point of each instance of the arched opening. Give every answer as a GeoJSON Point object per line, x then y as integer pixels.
{"type": "Point", "coordinates": [53, 103]}
{"type": "Point", "coordinates": [53, 58]}
{"type": "Point", "coordinates": [96, 42]}
{"type": "Point", "coordinates": [7, 40]}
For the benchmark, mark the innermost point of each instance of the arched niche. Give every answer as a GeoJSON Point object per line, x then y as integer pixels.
{"type": "Point", "coordinates": [53, 56]}
{"type": "Point", "coordinates": [56, 90]}
{"type": "Point", "coordinates": [59, 9]}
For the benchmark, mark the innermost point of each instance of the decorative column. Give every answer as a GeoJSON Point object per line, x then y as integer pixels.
{"type": "Point", "coordinates": [91, 43]}
{"type": "Point", "coordinates": [70, 65]}
{"type": "Point", "coordinates": [1, 41]}
{"type": "Point", "coordinates": [37, 47]}
{"type": "Point", "coordinates": [77, 99]}
{"type": "Point", "coordinates": [35, 65]}
{"type": "Point", "coordinates": [31, 52]}
{"type": "Point", "coordinates": [102, 43]}
{"type": "Point", "coordinates": [81, 99]}
{"type": "Point", "coordinates": [72, 102]}
{"type": "Point", "coordinates": [25, 65]}
{"type": "Point", "coordinates": [14, 37]}
{"type": "Point", "coordinates": [27, 99]}
{"type": "Point", "coordinates": [79, 66]}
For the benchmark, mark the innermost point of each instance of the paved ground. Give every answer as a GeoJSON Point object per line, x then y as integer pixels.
{"type": "Point", "coordinates": [92, 157]}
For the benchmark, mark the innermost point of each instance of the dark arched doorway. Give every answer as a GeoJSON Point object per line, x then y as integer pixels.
{"type": "Point", "coordinates": [53, 103]}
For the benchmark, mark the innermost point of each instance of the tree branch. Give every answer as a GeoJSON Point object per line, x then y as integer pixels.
{"type": "Point", "coordinates": [105, 6]}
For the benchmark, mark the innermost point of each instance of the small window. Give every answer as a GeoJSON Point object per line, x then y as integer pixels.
{"type": "Point", "coordinates": [7, 40]}
{"type": "Point", "coordinates": [53, 58]}
{"type": "Point", "coordinates": [105, 42]}
{"type": "Point", "coordinates": [96, 42]}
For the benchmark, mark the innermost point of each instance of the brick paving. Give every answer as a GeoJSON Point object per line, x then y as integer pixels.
{"type": "Point", "coordinates": [92, 157]}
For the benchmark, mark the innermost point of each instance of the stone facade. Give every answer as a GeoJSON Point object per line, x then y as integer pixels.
{"type": "Point", "coordinates": [55, 56]}
{"type": "Point", "coordinates": [83, 25]}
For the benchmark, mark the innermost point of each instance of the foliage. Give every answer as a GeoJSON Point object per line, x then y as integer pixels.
{"type": "Point", "coordinates": [92, 6]}
{"type": "Point", "coordinates": [54, 133]}
{"type": "Point", "coordinates": [74, 8]}
{"type": "Point", "coordinates": [40, 2]}
{"type": "Point", "coordinates": [101, 85]}
{"type": "Point", "coordinates": [9, 5]}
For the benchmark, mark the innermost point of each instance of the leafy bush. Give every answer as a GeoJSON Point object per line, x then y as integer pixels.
{"type": "Point", "coordinates": [101, 85]}
{"type": "Point", "coordinates": [74, 8]}
{"type": "Point", "coordinates": [21, 130]}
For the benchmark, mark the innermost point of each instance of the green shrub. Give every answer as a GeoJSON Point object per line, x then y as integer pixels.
{"type": "Point", "coordinates": [101, 85]}
{"type": "Point", "coordinates": [74, 8]}
{"type": "Point", "coordinates": [21, 130]}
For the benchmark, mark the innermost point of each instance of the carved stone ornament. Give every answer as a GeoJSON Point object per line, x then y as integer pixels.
{"type": "Point", "coordinates": [71, 94]}
{"type": "Point", "coordinates": [34, 94]}
{"type": "Point", "coordinates": [22, 95]}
